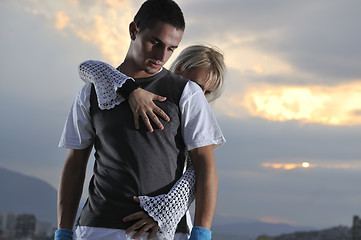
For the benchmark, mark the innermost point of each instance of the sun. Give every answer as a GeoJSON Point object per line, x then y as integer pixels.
{"type": "Point", "coordinates": [305, 164]}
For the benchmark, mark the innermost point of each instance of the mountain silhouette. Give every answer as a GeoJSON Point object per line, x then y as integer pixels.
{"type": "Point", "coordinates": [23, 194]}
{"type": "Point", "coordinates": [254, 229]}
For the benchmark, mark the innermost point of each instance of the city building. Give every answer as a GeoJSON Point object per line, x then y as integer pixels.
{"type": "Point", "coordinates": [7, 225]}
{"type": "Point", "coordinates": [44, 229]}
{"type": "Point", "coordinates": [356, 228]}
{"type": "Point", "coordinates": [25, 226]}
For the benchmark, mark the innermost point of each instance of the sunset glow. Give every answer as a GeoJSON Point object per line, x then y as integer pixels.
{"type": "Point", "coordinates": [290, 166]}
{"type": "Point", "coordinates": [308, 104]}
{"type": "Point", "coordinates": [286, 166]}
{"type": "Point", "coordinates": [95, 25]}
{"type": "Point", "coordinates": [305, 164]}
{"type": "Point", "coordinates": [275, 220]}
{"type": "Point", "coordinates": [61, 20]}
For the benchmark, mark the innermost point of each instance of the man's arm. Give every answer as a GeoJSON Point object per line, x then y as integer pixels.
{"type": "Point", "coordinates": [207, 185]}
{"type": "Point", "coordinates": [71, 186]}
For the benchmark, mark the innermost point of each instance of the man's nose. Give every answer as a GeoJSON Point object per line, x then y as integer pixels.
{"type": "Point", "coordinates": [161, 54]}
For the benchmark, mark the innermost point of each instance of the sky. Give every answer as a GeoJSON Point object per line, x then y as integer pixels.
{"type": "Point", "coordinates": [293, 95]}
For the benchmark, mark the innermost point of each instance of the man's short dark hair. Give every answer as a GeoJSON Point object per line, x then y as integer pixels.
{"type": "Point", "coordinates": [166, 11]}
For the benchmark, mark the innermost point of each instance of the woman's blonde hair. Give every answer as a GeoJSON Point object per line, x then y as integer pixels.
{"type": "Point", "coordinates": [206, 57]}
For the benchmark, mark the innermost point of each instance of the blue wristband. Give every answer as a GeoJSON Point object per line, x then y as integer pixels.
{"type": "Point", "coordinates": [199, 233]}
{"type": "Point", "coordinates": [63, 234]}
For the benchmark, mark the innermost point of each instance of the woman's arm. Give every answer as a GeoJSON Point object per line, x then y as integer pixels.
{"type": "Point", "coordinates": [168, 209]}
{"type": "Point", "coordinates": [113, 87]}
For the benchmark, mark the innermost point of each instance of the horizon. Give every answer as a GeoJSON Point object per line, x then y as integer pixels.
{"type": "Point", "coordinates": [241, 228]}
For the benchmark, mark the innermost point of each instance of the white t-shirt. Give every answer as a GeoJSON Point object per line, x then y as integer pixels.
{"type": "Point", "coordinates": [95, 233]}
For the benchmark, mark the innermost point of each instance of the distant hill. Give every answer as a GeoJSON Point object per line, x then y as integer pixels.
{"type": "Point", "coordinates": [334, 233]}
{"type": "Point", "coordinates": [248, 230]}
{"type": "Point", "coordinates": [25, 194]}
{"type": "Point", "coordinates": [216, 236]}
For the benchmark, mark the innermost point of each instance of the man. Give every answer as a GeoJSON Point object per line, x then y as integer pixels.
{"type": "Point", "coordinates": [132, 162]}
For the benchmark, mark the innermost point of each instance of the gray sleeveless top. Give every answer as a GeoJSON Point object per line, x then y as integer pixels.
{"type": "Point", "coordinates": [130, 162]}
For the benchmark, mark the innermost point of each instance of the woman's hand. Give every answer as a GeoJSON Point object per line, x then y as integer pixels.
{"type": "Point", "coordinates": [144, 223]}
{"type": "Point", "coordinates": [142, 105]}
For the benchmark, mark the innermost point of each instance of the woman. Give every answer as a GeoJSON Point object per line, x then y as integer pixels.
{"type": "Point", "coordinates": [199, 63]}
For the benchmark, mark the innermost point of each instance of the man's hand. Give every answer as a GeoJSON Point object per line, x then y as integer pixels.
{"type": "Point", "coordinates": [144, 222]}
{"type": "Point", "coordinates": [142, 105]}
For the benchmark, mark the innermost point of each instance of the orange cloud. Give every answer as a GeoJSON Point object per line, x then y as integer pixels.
{"type": "Point", "coordinates": [271, 219]}
{"type": "Point", "coordinates": [289, 166]}
{"type": "Point", "coordinates": [335, 105]}
{"type": "Point", "coordinates": [103, 24]}
{"type": "Point", "coordinates": [107, 28]}
{"type": "Point", "coordinates": [110, 38]}
{"type": "Point", "coordinates": [61, 20]}
{"type": "Point", "coordinates": [286, 166]}
{"type": "Point", "coordinates": [258, 68]}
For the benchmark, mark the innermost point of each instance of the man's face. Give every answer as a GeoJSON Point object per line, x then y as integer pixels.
{"type": "Point", "coordinates": [151, 48]}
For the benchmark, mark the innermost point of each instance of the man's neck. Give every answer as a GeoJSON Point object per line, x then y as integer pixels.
{"type": "Point", "coordinates": [128, 69]}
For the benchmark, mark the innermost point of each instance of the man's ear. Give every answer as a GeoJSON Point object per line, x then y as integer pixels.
{"type": "Point", "coordinates": [133, 30]}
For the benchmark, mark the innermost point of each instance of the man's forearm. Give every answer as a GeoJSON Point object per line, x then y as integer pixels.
{"type": "Point", "coordinates": [207, 186]}
{"type": "Point", "coordinates": [206, 198]}
{"type": "Point", "coordinates": [71, 187]}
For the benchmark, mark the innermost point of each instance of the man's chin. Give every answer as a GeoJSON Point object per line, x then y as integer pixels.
{"type": "Point", "coordinates": [152, 70]}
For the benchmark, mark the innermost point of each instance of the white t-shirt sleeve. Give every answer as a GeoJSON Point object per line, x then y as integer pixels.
{"type": "Point", "coordinates": [200, 127]}
{"type": "Point", "coordinates": [78, 132]}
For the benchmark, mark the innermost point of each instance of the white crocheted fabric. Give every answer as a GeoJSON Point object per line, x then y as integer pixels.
{"type": "Point", "coordinates": [166, 209]}
{"type": "Point", "coordinates": [106, 80]}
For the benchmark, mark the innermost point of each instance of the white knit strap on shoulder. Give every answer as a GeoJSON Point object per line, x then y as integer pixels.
{"type": "Point", "coordinates": [106, 80]}
{"type": "Point", "coordinates": [168, 209]}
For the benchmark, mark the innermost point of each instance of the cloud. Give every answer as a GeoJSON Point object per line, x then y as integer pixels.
{"type": "Point", "coordinates": [292, 67]}
{"type": "Point", "coordinates": [305, 103]}
{"type": "Point", "coordinates": [289, 166]}
{"type": "Point", "coordinates": [252, 142]}
{"type": "Point", "coordinates": [286, 166]}
{"type": "Point", "coordinates": [38, 84]}
{"type": "Point", "coordinates": [272, 219]}
{"type": "Point", "coordinates": [103, 24]}
{"type": "Point", "coordinates": [302, 196]}
{"type": "Point", "coordinates": [356, 113]}
{"type": "Point", "coordinates": [310, 104]}
{"type": "Point", "coordinates": [61, 20]}
{"type": "Point", "coordinates": [323, 44]}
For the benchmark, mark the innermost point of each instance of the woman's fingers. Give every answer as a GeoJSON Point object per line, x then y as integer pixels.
{"type": "Point", "coordinates": [142, 104]}
{"type": "Point", "coordinates": [153, 232]}
{"type": "Point", "coordinates": [143, 225]}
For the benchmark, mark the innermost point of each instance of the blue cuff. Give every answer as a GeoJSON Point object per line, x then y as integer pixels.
{"type": "Point", "coordinates": [63, 234]}
{"type": "Point", "coordinates": [199, 233]}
